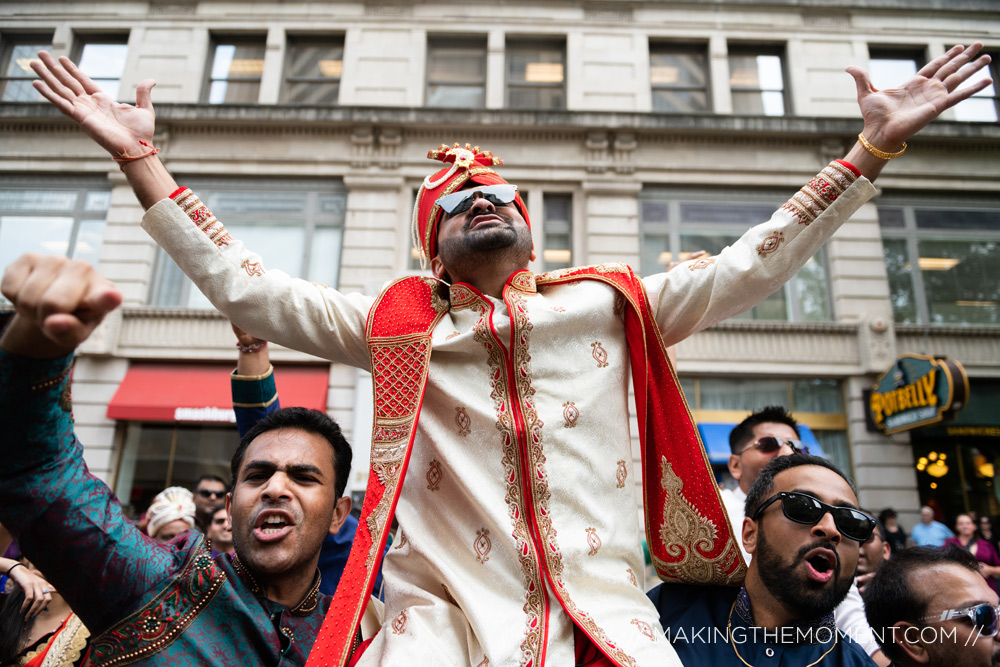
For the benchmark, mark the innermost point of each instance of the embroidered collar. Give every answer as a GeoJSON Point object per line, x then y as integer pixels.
{"type": "Point", "coordinates": [305, 606]}
{"type": "Point", "coordinates": [816, 628]}
{"type": "Point", "coordinates": [462, 295]}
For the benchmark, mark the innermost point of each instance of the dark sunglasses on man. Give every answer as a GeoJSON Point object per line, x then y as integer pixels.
{"type": "Point", "coordinates": [205, 493]}
{"type": "Point", "coordinates": [461, 201]}
{"type": "Point", "coordinates": [984, 616]}
{"type": "Point", "coordinates": [801, 508]}
{"type": "Point", "coordinates": [769, 445]}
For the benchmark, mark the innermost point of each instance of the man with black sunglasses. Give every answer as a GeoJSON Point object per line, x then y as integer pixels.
{"type": "Point", "coordinates": [209, 491]}
{"type": "Point", "coordinates": [932, 608]}
{"type": "Point", "coordinates": [803, 534]}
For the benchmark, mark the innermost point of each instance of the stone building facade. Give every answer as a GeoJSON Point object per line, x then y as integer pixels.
{"type": "Point", "coordinates": [638, 131]}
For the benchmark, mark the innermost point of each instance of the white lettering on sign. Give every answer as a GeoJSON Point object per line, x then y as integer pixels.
{"type": "Point", "coordinates": [204, 415]}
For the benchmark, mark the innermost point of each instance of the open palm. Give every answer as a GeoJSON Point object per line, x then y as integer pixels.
{"type": "Point", "coordinates": [118, 128]}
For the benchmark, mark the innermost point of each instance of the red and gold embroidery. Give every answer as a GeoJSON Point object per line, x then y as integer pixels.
{"type": "Point", "coordinates": [482, 545]}
{"type": "Point", "coordinates": [402, 540]}
{"type": "Point", "coordinates": [702, 263]}
{"type": "Point", "coordinates": [164, 618]}
{"type": "Point", "coordinates": [253, 268]}
{"type": "Point", "coordinates": [199, 214]}
{"type": "Point", "coordinates": [645, 629]}
{"type": "Point", "coordinates": [484, 662]}
{"type": "Point", "coordinates": [559, 309]}
{"type": "Point", "coordinates": [399, 623]}
{"type": "Point", "coordinates": [770, 244]}
{"type": "Point", "coordinates": [622, 473]}
{"type": "Point", "coordinates": [593, 541]}
{"type": "Point", "coordinates": [631, 577]}
{"type": "Point", "coordinates": [600, 354]}
{"type": "Point", "coordinates": [808, 203]}
{"type": "Point", "coordinates": [463, 421]}
{"type": "Point", "coordinates": [434, 475]}
{"type": "Point", "coordinates": [452, 335]}
{"type": "Point", "coordinates": [570, 414]}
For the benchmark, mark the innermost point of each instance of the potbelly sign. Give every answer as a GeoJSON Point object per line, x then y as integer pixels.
{"type": "Point", "coordinates": [917, 390]}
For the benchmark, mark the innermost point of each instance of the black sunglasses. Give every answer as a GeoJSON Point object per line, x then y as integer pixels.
{"type": "Point", "coordinates": [205, 493]}
{"type": "Point", "coordinates": [800, 508]}
{"type": "Point", "coordinates": [769, 444]}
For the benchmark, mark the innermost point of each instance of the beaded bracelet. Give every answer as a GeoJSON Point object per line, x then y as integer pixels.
{"type": "Point", "coordinates": [252, 347]}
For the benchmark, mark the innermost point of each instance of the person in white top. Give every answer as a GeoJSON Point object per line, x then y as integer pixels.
{"type": "Point", "coordinates": [767, 433]}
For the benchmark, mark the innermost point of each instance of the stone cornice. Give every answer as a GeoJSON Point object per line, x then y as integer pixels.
{"type": "Point", "coordinates": [272, 118]}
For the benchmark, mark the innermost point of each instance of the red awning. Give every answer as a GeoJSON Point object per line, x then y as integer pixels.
{"type": "Point", "coordinates": [201, 392]}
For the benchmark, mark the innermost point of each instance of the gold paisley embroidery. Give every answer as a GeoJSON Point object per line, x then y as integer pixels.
{"type": "Point", "coordinates": [482, 545]}
{"type": "Point", "coordinates": [600, 355]}
{"type": "Point", "coordinates": [687, 535]}
{"type": "Point", "coordinates": [253, 268]}
{"type": "Point", "coordinates": [631, 577]}
{"type": "Point", "coordinates": [593, 541]}
{"type": "Point", "coordinates": [463, 421]}
{"type": "Point", "coordinates": [399, 623]}
{"type": "Point", "coordinates": [770, 244]}
{"type": "Point", "coordinates": [702, 263]}
{"type": "Point", "coordinates": [570, 414]}
{"type": "Point", "coordinates": [645, 628]}
{"type": "Point", "coordinates": [434, 475]}
{"type": "Point", "coordinates": [622, 473]}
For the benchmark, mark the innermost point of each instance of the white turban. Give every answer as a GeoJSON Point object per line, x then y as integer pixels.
{"type": "Point", "coordinates": [169, 505]}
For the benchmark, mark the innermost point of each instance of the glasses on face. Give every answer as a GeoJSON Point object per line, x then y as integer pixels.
{"type": "Point", "coordinates": [205, 493]}
{"type": "Point", "coordinates": [800, 508]}
{"type": "Point", "coordinates": [461, 201]}
{"type": "Point", "coordinates": [220, 521]}
{"type": "Point", "coordinates": [984, 616]}
{"type": "Point", "coordinates": [769, 445]}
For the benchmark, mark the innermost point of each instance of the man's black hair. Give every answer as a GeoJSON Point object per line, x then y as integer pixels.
{"type": "Point", "coordinates": [213, 478]}
{"type": "Point", "coordinates": [310, 421]}
{"type": "Point", "coordinates": [742, 433]}
{"type": "Point", "coordinates": [763, 487]}
{"type": "Point", "coordinates": [890, 597]}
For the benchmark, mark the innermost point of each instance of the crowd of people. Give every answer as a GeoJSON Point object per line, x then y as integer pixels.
{"type": "Point", "coordinates": [501, 399]}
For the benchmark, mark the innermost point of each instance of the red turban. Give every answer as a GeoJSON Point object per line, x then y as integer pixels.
{"type": "Point", "coordinates": [467, 163]}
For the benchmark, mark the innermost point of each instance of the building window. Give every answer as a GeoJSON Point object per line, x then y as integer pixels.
{"type": "Point", "coordinates": [536, 75]}
{"type": "Point", "coordinates": [892, 67]}
{"type": "Point", "coordinates": [295, 226]}
{"type": "Point", "coordinates": [456, 72]}
{"type": "Point", "coordinates": [815, 402]}
{"type": "Point", "coordinates": [237, 66]}
{"type": "Point", "coordinates": [557, 249]}
{"type": "Point", "coordinates": [103, 59]}
{"type": "Point", "coordinates": [678, 76]}
{"type": "Point", "coordinates": [65, 218]}
{"type": "Point", "coordinates": [940, 258]}
{"type": "Point", "coordinates": [18, 53]}
{"type": "Point", "coordinates": [313, 67]}
{"type": "Point", "coordinates": [757, 80]}
{"type": "Point", "coordinates": [984, 106]}
{"type": "Point", "coordinates": [675, 224]}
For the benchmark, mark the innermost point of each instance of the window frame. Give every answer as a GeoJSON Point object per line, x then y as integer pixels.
{"type": "Point", "coordinates": [514, 45]}
{"type": "Point", "coordinates": [675, 227]}
{"type": "Point", "coordinates": [993, 70]}
{"type": "Point", "coordinates": [667, 47]}
{"type": "Point", "coordinates": [467, 42]}
{"type": "Point", "coordinates": [82, 39]}
{"type": "Point", "coordinates": [761, 49]}
{"type": "Point", "coordinates": [313, 189]}
{"type": "Point", "coordinates": [224, 39]}
{"type": "Point", "coordinates": [563, 227]}
{"type": "Point", "coordinates": [912, 235]}
{"type": "Point", "coordinates": [310, 40]}
{"type": "Point", "coordinates": [10, 41]}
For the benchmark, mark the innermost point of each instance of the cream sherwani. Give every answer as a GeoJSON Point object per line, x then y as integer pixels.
{"type": "Point", "coordinates": [518, 516]}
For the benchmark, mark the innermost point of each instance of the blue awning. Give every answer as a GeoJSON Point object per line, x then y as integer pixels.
{"type": "Point", "coordinates": [716, 439]}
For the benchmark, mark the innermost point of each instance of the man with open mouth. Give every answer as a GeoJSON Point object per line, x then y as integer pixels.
{"type": "Point", "coordinates": [804, 532]}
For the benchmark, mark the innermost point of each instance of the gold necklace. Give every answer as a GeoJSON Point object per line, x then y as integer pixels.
{"type": "Point", "coordinates": [729, 632]}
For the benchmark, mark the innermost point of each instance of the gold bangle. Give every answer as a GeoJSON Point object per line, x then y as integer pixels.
{"type": "Point", "coordinates": [882, 155]}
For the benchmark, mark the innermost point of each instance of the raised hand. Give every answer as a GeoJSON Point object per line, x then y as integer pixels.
{"type": "Point", "coordinates": [118, 128]}
{"type": "Point", "coordinates": [58, 304]}
{"type": "Point", "coordinates": [894, 115]}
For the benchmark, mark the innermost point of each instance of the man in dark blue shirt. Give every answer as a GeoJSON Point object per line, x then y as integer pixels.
{"type": "Point", "coordinates": [804, 531]}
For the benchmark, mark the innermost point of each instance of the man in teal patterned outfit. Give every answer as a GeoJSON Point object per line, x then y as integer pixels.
{"type": "Point", "coordinates": [144, 602]}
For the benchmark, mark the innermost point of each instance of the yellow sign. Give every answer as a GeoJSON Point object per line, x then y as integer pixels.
{"type": "Point", "coordinates": [917, 391]}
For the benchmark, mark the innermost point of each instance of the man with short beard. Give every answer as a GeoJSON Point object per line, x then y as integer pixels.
{"type": "Point", "coordinates": [144, 602]}
{"type": "Point", "coordinates": [803, 532]}
{"type": "Point", "coordinates": [219, 533]}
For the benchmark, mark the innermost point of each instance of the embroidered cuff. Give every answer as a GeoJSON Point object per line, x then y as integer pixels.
{"type": "Point", "coordinates": [201, 216]}
{"type": "Point", "coordinates": [254, 391]}
{"type": "Point", "coordinates": [808, 203]}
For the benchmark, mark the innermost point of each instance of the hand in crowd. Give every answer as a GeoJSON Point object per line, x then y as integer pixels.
{"type": "Point", "coordinates": [58, 304]}
{"type": "Point", "coordinates": [37, 591]}
{"type": "Point", "coordinates": [862, 580]}
{"type": "Point", "coordinates": [894, 115]}
{"type": "Point", "coordinates": [118, 128]}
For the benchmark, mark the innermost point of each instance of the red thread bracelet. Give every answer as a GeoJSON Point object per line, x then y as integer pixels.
{"type": "Point", "coordinates": [127, 158]}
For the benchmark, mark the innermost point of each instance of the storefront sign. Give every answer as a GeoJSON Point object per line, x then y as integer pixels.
{"type": "Point", "coordinates": [917, 391]}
